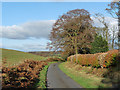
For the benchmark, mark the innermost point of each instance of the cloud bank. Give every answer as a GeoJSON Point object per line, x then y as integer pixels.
{"type": "Point", "coordinates": [109, 20]}
{"type": "Point", "coordinates": [27, 47]}
{"type": "Point", "coordinates": [35, 29]}
{"type": "Point", "coordinates": [31, 47]}
{"type": "Point", "coordinates": [0, 45]}
{"type": "Point", "coordinates": [40, 29]}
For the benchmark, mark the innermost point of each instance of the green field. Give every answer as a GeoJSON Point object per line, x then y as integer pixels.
{"type": "Point", "coordinates": [15, 57]}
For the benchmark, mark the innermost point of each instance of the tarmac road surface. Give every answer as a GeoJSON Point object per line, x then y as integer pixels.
{"type": "Point", "coordinates": [58, 79]}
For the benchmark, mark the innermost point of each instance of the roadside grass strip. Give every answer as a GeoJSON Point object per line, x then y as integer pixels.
{"type": "Point", "coordinates": [43, 75]}
{"type": "Point", "coordinates": [80, 76]}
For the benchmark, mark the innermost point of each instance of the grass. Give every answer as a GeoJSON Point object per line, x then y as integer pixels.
{"type": "Point", "coordinates": [85, 80]}
{"type": "Point", "coordinates": [15, 57]}
{"type": "Point", "coordinates": [43, 75]}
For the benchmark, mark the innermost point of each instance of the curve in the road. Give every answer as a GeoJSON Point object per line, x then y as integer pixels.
{"type": "Point", "coordinates": [58, 79]}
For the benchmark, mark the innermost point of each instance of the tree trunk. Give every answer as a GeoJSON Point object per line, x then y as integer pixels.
{"type": "Point", "coordinates": [107, 34]}
{"type": "Point", "coordinates": [113, 39]}
{"type": "Point", "coordinates": [76, 50]}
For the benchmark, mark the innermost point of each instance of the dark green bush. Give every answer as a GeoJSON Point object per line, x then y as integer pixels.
{"type": "Point", "coordinates": [99, 45]}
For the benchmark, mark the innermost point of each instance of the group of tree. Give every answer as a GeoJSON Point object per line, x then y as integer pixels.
{"type": "Point", "coordinates": [114, 11]}
{"type": "Point", "coordinates": [74, 33]}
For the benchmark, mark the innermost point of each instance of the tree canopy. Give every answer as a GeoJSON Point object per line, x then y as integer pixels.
{"type": "Point", "coordinates": [72, 32]}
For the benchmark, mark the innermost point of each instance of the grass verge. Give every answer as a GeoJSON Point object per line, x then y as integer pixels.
{"type": "Point", "coordinates": [43, 75]}
{"type": "Point", "coordinates": [85, 80]}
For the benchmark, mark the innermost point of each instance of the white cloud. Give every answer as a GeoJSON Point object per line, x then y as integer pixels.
{"type": "Point", "coordinates": [0, 45]}
{"type": "Point", "coordinates": [109, 20]}
{"type": "Point", "coordinates": [34, 46]}
{"type": "Point", "coordinates": [40, 29]}
{"type": "Point", "coordinates": [27, 47]}
{"type": "Point", "coordinates": [35, 29]}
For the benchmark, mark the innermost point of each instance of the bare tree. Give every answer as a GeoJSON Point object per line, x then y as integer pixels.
{"type": "Point", "coordinates": [114, 35]}
{"type": "Point", "coordinates": [114, 11]}
{"type": "Point", "coordinates": [104, 31]}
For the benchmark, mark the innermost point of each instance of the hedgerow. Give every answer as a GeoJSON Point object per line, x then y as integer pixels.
{"type": "Point", "coordinates": [96, 60]}
{"type": "Point", "coordinates": [25, 75]}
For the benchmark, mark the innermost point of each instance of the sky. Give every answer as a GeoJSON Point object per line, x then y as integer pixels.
{"type": "Point", "coordinates": [26, 26]}
{"type": "Point", "coordinates": [58, 0]}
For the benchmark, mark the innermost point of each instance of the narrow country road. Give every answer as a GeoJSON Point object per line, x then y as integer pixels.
{"type": "Point", "coordinates": [57, 79]}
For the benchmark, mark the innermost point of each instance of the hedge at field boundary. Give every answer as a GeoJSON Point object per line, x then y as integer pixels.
{"type": "Point", "coordinates": [23, 75]}
{"type": "Point", "coordinates": [96, 60]}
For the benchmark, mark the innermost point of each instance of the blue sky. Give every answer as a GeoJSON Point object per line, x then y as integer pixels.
{"type": "Point", "coordinates": [17, 13]}
{"type": "Point", "coordinates": [26, 25]}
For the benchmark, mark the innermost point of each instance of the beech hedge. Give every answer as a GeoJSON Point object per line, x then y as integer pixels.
{"type": "Point", "coordinates": [96, 60]}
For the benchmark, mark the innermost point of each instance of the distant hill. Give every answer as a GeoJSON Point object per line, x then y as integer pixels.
{"type": "Point", "coordinates": [46, 53]}
{"type": "Point", "coordinates": [16, 57]}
